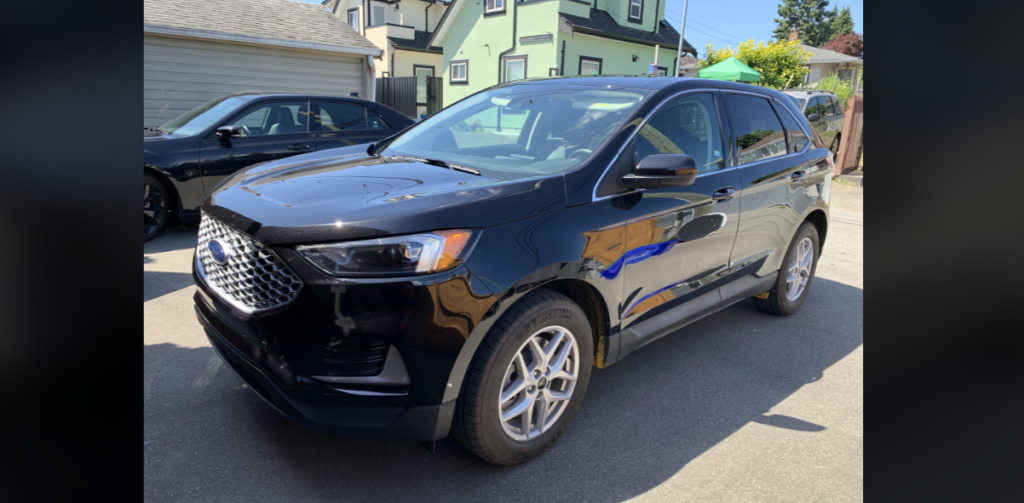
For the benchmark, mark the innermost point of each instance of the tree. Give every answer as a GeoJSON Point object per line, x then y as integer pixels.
{"type": "Point", "coordinates": [842, 23]}
{"type": "Point", "coordinates": [780, 64]}
{"type": "Point", "coordinates": [850, 45]}
{"type": "Point", "coordinates": [808, 16]}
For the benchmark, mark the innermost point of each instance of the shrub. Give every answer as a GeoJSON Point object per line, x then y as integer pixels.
{"type": "Point", "coordinates": [839, 87]}
{"type": "Point", "coordinates": [779, 63]}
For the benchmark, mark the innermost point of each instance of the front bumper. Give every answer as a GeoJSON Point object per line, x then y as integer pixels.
{"type": "Point", "coordinates": [318, 405]}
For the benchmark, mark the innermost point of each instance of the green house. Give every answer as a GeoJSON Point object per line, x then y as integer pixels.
{"type": "Point", "coordinates": [486, 42]}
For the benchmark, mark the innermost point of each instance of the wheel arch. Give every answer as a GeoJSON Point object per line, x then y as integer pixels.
{"type": "Point", "coordinates": [172, 191]}
{"type": "Point", "coordinates": [593, 302]}
{"type": "Point", "coordinates": [820, 221]}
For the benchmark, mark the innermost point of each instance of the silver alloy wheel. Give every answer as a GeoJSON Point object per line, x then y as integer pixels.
{"type": "Point", "coordinates": [799, 272]}
{"type": "Point", "coordinates": [538, 383]}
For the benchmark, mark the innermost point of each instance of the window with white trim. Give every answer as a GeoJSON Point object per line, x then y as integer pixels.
{"type": "Point", "coordinates": [378, 15]}
{"type": "Point", "coordinates": [494, 5]}
{"type": "Point", "coordinates": [353, 18]}
{"type": "Point", "coordinates": [458, 71]}
{"type": "Point", "coordinates": [636, 9]}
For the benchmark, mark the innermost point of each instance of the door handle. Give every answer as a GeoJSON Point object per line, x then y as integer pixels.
{"type": "Point", "coordinates": [298, 146]}
{"type": "Point", "coordinates": [798, 175]}
{"type": "Point", "coordinates": [723, 194]}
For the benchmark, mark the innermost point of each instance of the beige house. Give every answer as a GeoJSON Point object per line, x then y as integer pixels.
{"type": "Point", "coordinates": [197, 50]}
{"type": "Point", "coordinates": [824, 63]}
{"type": "Point", "coordinates": [401, 28]}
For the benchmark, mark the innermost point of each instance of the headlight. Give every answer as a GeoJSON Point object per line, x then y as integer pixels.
{"type": "Point", "coordinates": [415, 254]}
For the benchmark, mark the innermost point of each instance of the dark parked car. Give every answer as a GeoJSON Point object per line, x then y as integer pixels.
{"type": "Point", "coordinates": [187, 157]}
{"type": "Point", "coordinates": [465, 276]}
{"type": "Point", "coordinates": [824, 111]}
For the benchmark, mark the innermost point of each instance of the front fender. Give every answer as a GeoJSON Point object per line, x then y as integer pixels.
{"type": "Point", "coordinates": [516, 258]}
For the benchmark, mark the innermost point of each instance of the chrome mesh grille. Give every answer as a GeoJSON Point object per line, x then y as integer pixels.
{"type": "Point", "coordinates": [251, 278]}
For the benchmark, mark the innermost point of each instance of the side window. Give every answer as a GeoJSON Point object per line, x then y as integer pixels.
{"type": "Point", "coordinates": [274, 118]}
{"type": "Point", "coordinates": [837, 105]}
{"type": "Point", "coordinates": [343, 117]}
{"type": "Point", "coordinates": [831, 105]}
{"type": "Point", "coordinates": [815, 106]}
{"type": "Point", "coordinates": [755, 128]}
{"type": "Point", "coordinates": [686, 125]}
{"type": "Point", "coordinates": [797, 138]}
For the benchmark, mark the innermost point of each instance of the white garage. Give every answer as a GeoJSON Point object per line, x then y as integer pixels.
{"type": "Point", "coordinates": [196, 50]}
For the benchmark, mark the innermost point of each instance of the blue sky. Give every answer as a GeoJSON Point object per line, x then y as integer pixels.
{"type": "Point", "coordinates": [729, 22]}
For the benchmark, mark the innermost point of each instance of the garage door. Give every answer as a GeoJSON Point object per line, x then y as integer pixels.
{"type": "Point", "coordinates": [180, 74]}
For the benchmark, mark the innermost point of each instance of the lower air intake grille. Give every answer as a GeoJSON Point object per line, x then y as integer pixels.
{"type": "Point", "coordinates": [249, 276]}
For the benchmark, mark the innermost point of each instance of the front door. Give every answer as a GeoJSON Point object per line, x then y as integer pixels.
{"type": "Point", "coordinates": [270, 131]}
{"type": "Point", "coordinates": [341, 124]}
{"type": "Point", "coordinates": [678, 247]}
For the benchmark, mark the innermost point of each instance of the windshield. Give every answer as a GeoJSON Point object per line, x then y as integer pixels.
{"type": "Point", "coordinates": [521, 131]}
{"type": "Point", "coordinates": [203, 116]}
{"type": "Point", "coordinates": [798, 101]}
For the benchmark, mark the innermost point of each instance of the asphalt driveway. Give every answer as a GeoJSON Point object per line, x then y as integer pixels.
{"type": "Point", "coordinates": [740, 406]}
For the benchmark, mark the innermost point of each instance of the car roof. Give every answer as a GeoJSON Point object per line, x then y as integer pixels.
{"type": "Point", "coordinates": [641, 82]}
{"type": "Point", "coordinates": [805, 93]}
{"type": "Point", "coordinates": [281, 94]}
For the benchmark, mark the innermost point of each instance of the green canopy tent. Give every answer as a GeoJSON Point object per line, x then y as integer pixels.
{"type": "Point", "coordinates": [730, 69]}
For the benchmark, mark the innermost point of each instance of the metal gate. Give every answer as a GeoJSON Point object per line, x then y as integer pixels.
{"type": "Point", "coordinates": [435, 94]}
{"type": "Point", "coordinates": [398, 93]}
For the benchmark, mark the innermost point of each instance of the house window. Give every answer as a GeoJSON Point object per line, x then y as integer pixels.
{"type": "Point", "coordinates": [458, 72]}
{"type": "Point", "coordinates": [636, 10]}
{"type": "Point", "coordinates": [662, 71]}
{"type": "Point", "coordinates": [494, 6]}
{"type": "Point", "coordinates": [353, 18]}
{"type": "Point", "coordinates": [552, 72]}
{"type": "Point", "coordinates": [377, 15]}
{"type": "Point", "coordinates": [515, 68]}
{"type": "Point", "coordinates": [590, 66]}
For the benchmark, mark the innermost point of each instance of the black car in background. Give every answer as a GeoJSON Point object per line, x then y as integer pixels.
{"type": "Point", "coordinates": [187, 157]}
{"type": "Point", "coordinates": [465, 276]}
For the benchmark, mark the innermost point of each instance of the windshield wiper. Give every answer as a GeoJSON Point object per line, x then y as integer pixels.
{"type": "Point", "coordinates": [441, 163]}
{"type": "Point", "coordinates": [154, 128]}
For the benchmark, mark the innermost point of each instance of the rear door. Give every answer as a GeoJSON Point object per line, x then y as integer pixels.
{"type": "Point", "coordinates": [678, 245]}
{"type": "Point", "coordinates": [343, 123]}
{"type": "Point", "coordinates": [774, 175]}
{"type": "Point", "coordinates": [271, 130]}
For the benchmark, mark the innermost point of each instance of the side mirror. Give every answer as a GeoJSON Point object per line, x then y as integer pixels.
{"type": "Point", "coordinates": [225, 132]}
{"type": "Point", "coordinates": [662, 170]}
{"type": "Point", "coordinates": [813, 118]}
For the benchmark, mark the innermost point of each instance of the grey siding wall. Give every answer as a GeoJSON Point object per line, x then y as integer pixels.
{"type": "Point", "coordinates": [180, 74]}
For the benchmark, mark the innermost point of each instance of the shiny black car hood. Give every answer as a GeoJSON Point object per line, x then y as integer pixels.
{"type": "Point", "coordinates": [346, 194]}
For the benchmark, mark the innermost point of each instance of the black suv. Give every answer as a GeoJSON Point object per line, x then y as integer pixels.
{"type": "Point", "coordinates": [186, 157]}
{"type": "Point", "coordinates": [464, 277]}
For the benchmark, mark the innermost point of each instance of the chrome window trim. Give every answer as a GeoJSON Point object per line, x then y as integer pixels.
{"type": "Point", "coordinates": [593, 194]}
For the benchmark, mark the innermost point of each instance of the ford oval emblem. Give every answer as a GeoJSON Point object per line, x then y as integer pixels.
{"type": "Point", "coordinates": [217, 251]}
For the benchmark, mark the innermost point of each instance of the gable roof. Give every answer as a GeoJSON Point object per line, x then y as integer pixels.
{"type": "Point", "coordinates": [601, 24]}
{"type": "Point", "coordinates": [419, 43]}
{"type": "Point", "coordinates": [284, 23]}
{"type": "Point", "coordinates": [819, 55]}
{"type": "Point", "coordinates": [687, 61]}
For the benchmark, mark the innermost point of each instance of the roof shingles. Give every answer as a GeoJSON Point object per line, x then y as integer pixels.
{"type": "Point", "coordinates": [284, 20]}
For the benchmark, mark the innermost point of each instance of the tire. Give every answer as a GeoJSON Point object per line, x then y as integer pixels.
{"type": "Point", "coordinates": [154, 207]}
{"type": "Point", "coordinates": [477, 424]}
{"type": "Point", "coordinates": [777, 300]}
{"type": "Point", "coordinates": [834, 147]}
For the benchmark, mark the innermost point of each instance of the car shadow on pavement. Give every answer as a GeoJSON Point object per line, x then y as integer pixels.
{"type": "Point", "coordinates": [157, 284]}
{"type": "Point", "coordinates": [176, 236]}
{"type": "Point", "coordinates": [642, 420]}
